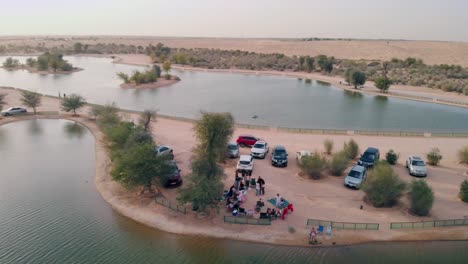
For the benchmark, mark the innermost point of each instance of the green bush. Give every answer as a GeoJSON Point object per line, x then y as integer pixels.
{"type": "Point", "coordinates": [464, 191]}
{"type": "Point", "coordinates": [392, 157]}
{"type": "Point", "coordinates": [351, 149]}
{"type": "Point", "coordinates": [328, 144]}
{"type": "Point", "coordinates": [313, 165]}
{"type": "Point", "coordinates": [463, 155]}
{"type": "Point", "coordinates": [383, 186]}
{"type": "Point", "coordinates": [339, 163]}
{"type": "Point", "coordinates": [434, 157]}
{"type": "Point", "coordinates": [421, 197]}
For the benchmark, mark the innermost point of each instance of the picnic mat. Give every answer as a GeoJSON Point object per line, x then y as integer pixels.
{"type": "Point", "coordinates": [284, 204]}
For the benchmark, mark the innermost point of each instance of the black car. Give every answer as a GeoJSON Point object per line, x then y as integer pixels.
{"type": "Point", "coordinates": [369, 157]}
{"type": "Point", "coordinates": [279, 156]}
{"type": "Point", "coordinates": [174, 178]}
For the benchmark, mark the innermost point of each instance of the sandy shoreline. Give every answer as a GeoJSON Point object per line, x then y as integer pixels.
{"type": "Point", "coordinates": [325, 199]}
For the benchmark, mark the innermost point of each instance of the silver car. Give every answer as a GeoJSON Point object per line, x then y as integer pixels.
{"type": "Point", "coordinates": [416, 166]}
{"type": "Point", "coordinates": [13, 111]}
{"type": "Point", "coordinates": [356, 176]}
{"type": "Point", "coordinates": [232, 150]}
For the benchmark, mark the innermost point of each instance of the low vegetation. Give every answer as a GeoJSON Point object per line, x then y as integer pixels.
{"type": "Point", "coordinates": [2, 101]}
{"type": "Point", "coordinates": [72, 103]}
{"type": "Point", "coordinates": [146, 117]}
{"type": "Point", "coordinates": [148, 76]}
{"type": "Point", "coordinates": [205, 185]}
{"type": "Point", "coordinates": [391, 157]}
{"type": "Point", "coordinates": [434, 157]}
{"type": "Point", "coordinates": [50, 60]}
{"type": "Point", "coordinates": [351, 148]}
{"type": "Point", "coordinates": [355, 77]}
{"type": "Point", "coordinates": [463, 155]}
{"type": "Point", "coordinates": [421, 197]}
{"type": "Point", "coordinates": [328, 144]}
{"type": "Point", "coordinates": [464, 191]}
{"type": "Point", "coordinates": [313, 165]}
{"type": "Point", "coordinates": [31, 99]}
{"type": "Point", "coordinates": [10, 63]}
{"type": "Point", "coordinates": [383, 186]}
{"type": "Point", "coordinates": [338, 163]}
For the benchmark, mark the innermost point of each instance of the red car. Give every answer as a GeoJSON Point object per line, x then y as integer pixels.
{"type": "Point", "coordinates": [247, 140]}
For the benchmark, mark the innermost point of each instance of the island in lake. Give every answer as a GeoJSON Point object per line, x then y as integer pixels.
{"type": "Point", "coordinates": [48, 63]}
{"type": "Point", "coordinates": [150, 78]}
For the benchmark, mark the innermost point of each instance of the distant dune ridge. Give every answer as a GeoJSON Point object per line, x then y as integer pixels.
{"type": "Point", "coordinates": [432, 52]}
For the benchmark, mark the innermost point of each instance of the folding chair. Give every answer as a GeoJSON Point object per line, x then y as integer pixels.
{"type": "Point", "coordinates": [320, 229]}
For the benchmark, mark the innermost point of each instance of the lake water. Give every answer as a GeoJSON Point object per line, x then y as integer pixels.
{"type": "Point", "coordinates": [50, 212]}
{"type": "Point", "coordinates": [277, 101]}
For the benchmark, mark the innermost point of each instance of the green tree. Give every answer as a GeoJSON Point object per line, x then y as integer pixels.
{"type": "Point", "coordinates": [31, 99]}
{"type": "Point", "coordinates": [42, 63]}
{"type": "Point", "coordinates": [421, 197]}
{"type": "Point", "coordinates": [383, 186]}
{"type": "Point", "coordinates": [146, 117]}
{"type": "Point", "coordinates": [464, 191]}
{"type": "Point", "coordinates": [54, 64]}
{"type": "Point", "coordinates": [339, 163]}
{"type": "Point", "coordinates": [383, 82]}
{"type": "Point", "coordinates": [463, 155]}
{"type": "Point", "coordinates": [213, 131]}
{"type": "Point", "coordinates": [11, 63]}
{"type": "Point", "coordinates": [434, 157]}
{"type": "Point", "coordinates": [157, 70]}
{"type": "Point", "coordinates": [107, 115]}
{"type": "Point", "coordinates": [78, 47]}
{"type": "Point", "coordinates": [73, 103]}
{"type": "Point", "coordinates": [31, 62]}
{"type": "Point", "coordinates": [124, 77]}
{"type": "Point", "coordinates": [167, 68]}
{"type": "Point", "coordinates": [328, 144]}
{"type": "Point", "coordinates": [358, 78]}
{"type": "Point", "coordinates": [141, 167]}
{"type": "Point", "coordinates": [2, 101]}
{"type": "Point", "coordinates": [118, 134]}
{"type": "Point", "coordinates": [351, 148]}
{"type": "Point", "coordinates": [391, 157]}
{"type": "Point", "coordinates": [313, 165]}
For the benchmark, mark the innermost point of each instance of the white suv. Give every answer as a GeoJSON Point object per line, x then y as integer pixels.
{"type": "Point", "coordinates": [245, 163]}
{"type": "Point", "coordinates": [259, 149]}
{"type": "Point", "coordinates": [416, 166]}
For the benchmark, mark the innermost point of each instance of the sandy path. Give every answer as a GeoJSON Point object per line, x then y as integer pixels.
{"type": "Point", "coordinates": [326, 199]}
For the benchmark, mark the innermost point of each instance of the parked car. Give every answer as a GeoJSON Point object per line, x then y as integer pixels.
{"type": "Point", "coordinates": [279, 156]}
{"type": "Point", "coordinates": [13, 111]}
{"type": "Point", "coordinates": [164, 150]}
{"type": "Point", "coordinates": [259, 149]}
{"type": "Point", "coordinates": [356, 176]}
{"type": "Point", "coordinates": [416, 166]}
{"type": "Point", "coordinates": [301, 154]}
{"type": "Point", "coordinates": [174, 178]}
{"type": "Point", "coordinates": [232, 150]}
{"type": "Point", "coordinates": [369, 157]}
{"type": "Point", "coordinates": [245, 163]}
{"type": "Point", "coordinates": [247, 140]}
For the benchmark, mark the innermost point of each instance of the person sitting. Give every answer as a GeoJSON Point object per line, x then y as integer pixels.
{"type": "Point", "coordinates": [268, 211]}
{"type": "Point", "coordinates": [242, 186]}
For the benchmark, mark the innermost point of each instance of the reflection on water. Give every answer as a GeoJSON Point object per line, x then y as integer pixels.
{"type": "Point", "coordinates": [353, 94]}
{"type": "Point", "coordinates": [34, 127]}
{"type": "Point", "coordinates": [281, 101]}
{"type": "Point", "coordinates": [381, 98]}
{"type": "Point", "coordinates": [73, 129]}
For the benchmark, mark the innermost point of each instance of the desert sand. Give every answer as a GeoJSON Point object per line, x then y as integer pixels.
{"type": "Point", "coordinates": [432, 52]}
{"type": "Point", "coordinates": [324, 199]}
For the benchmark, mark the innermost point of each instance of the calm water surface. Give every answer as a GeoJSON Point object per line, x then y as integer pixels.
{"type": "Point", "coordinates": [277, 101]}
{"type": "Point", "coordinates": [50, 212]}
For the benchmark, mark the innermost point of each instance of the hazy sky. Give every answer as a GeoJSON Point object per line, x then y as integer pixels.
{"type": "Point", "coordinates": [394, 19]}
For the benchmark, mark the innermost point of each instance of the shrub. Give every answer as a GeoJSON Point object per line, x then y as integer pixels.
{"type": "Point", "coordinates": [463, 155]}
{"type": "Point", "coordinates": [434, 157]}
{"type": "Point", "coordinates": [351, 149]}
{"type": "Point", "coordinates": [464, 191]}
{"type": "Point", "coordinates": [391, 157]}
{"type": "Point", "coordinates": [383, 187]}
{"type": "Point", "coordinates": [339, 163]}
{"type": "Point", "coordinates": [328, 144]}
{"type": "Point", "coordinates": [421, 197]}
{"type": "Point", "coordinates": [313, 165]}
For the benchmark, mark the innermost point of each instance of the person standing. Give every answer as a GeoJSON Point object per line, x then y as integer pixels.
{"type": "Point", "coordinates": [278, 201]}
{"type": "Point", "coordinates": [257, 189]}
{"type": "Point", "coordinates": [262, 185]}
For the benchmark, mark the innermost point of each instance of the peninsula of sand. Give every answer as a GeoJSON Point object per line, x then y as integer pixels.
{"type": "Point", "coordinates": [324, 199]}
